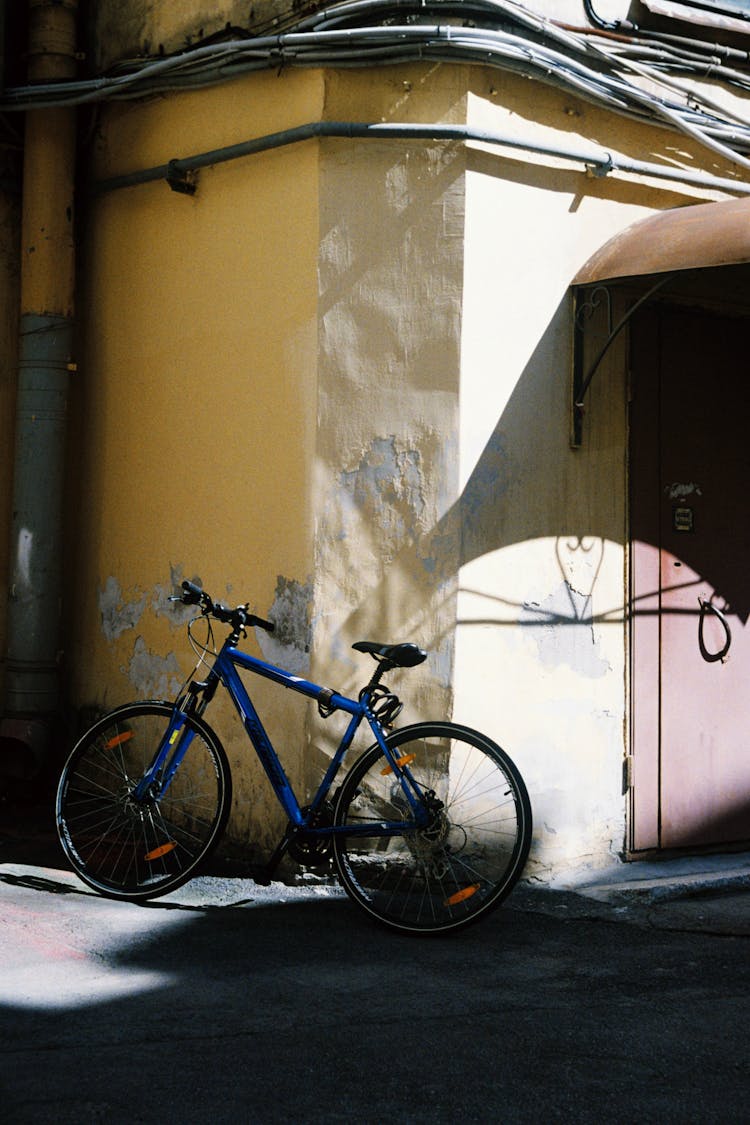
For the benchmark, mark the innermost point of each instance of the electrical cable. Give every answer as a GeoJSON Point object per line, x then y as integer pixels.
{"type": "Point", "coordinates": [603, 66]}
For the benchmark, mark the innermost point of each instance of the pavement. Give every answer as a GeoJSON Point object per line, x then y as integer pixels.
{"type": "Point", "coordinates": [708, 900]}
{"type": "Point", "coordinates": [618, 997]}
{"type": "Point", "coordinates": [708, 894]}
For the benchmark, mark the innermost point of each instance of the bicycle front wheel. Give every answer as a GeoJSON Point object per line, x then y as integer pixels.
{"type": "Point", "coordinates": [468, 856]}
{"type": "Point", "coordinates": [138, 849]}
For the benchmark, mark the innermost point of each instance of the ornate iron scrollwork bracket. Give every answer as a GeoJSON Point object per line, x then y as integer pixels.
{"type": "Point", "coordinates": [585, 303]}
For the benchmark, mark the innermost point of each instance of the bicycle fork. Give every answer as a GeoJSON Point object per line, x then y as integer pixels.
{"type": "Point", "coordinates": [165, 763]}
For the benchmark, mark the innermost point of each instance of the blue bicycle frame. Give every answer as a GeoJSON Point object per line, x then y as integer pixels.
{"type": "Point", "coordinates": [178, 737]}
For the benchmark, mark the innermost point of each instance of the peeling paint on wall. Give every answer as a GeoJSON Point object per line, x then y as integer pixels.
{"type": "Point", "coordinates": [118, 615]}
{"type": "Point", "coordinates": [177, 613]}
{"type": "Point", "coordinates": [154, 676]}
{"type": "Point", "coordinates": [387, 484]}
{"type": "Point", "coordinates": [289, 644]}
{"type": "Point", "coordinates": [387, 551]}
{"type": "Point", "coordinates": [562, 628]}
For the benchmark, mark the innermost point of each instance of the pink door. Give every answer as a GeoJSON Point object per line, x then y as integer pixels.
{"type": "Point", "coordinates": [690, 579]}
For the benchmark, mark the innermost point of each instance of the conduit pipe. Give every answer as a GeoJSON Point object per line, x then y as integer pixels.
{"type": "Point", "coordinates": [177, 172]}
{"type": "Point", "coordinates": [32, 686]}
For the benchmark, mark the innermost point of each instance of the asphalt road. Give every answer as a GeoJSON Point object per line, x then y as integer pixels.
{"type": "Point", "coordinates": [236, 1004]}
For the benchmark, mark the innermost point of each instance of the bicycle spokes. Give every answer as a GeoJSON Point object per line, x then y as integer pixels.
{"type": "Point", "coordinates": [453, 855]}
{"type": "Point", "coordinates": [124, 831]}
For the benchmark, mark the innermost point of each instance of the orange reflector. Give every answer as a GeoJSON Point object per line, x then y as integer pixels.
{"type": "Point", "coordinates": [461, 896]}
{"type": "Point", "coordinates": [157, 853]}
{"type": "Point", "coordinates": [118, 739]}
{"type": "Point", "coordinates": [401, 762]}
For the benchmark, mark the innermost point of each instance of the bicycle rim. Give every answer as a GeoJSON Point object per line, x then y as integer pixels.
{"type": "Point", "coordinates": [470, 855]}
{"type": "Point", "coordinates": [138, 850]}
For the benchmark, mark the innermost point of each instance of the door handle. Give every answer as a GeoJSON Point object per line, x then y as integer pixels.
{"type": "Point", "coordinates": [712, 657]}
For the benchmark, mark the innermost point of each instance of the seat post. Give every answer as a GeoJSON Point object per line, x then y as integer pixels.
{"type": "Point", "coordinates": [382, 666]}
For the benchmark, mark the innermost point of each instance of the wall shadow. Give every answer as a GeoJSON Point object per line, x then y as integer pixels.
{"type": "Point", "coordinates": [528, 485]}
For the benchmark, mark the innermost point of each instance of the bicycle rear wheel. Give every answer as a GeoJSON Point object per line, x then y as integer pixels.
{"type": "Point", "coordinates": [131, 849]}
{"type": "Point", "coordinates": [469, 856]}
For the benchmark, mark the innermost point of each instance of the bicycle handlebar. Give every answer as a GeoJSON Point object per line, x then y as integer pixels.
{"type": "Point", "coordinates": [239, 618]}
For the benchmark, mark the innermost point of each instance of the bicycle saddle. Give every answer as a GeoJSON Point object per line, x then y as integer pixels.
{"type": "Point", "coordinates": [400, 656]}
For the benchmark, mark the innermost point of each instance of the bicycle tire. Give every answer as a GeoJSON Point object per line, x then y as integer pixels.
{"type": "Point", "coordinates": [133, 851]}
{"type": "Point", "coordinates": [462, 865]}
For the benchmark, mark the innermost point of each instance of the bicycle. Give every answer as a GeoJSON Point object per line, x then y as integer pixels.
{"type": "Point", "coordinates": [428, 831]}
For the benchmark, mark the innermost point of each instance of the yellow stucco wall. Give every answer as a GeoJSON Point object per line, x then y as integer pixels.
{"type": "Point", "coordinates": [268, 397]}
{"type": "Point", "coordinates": [194, 411]}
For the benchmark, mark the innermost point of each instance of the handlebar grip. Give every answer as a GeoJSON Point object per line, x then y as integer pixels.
{"type": "Point", "coordinates": [191, 594]}
{"type": "Point", "coordinates": [267, 625]}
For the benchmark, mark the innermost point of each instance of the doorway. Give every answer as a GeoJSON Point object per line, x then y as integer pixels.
{"type": "Point", "coordinates": [689, 579]}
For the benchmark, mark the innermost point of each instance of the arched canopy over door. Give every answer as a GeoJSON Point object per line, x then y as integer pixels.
{"type": "Point", "coordinates": [676, 242]}
{"type": "Point", "coordinates": [695, 237]}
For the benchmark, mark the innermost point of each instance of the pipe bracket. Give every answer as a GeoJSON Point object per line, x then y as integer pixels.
{"type": "Point", "coordinates": [179, 179]}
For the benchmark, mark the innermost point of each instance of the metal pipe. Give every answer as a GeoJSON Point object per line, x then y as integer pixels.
{"type": "Point", "coordinates": [32, 691]}
{"type": "Point", "coordinates": [32, 672]}
{"type": "Point", "coordinates": [177, 171]}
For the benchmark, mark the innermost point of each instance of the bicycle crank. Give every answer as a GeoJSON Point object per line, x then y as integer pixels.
{"type": "Point", "coordinates": [309, 850]}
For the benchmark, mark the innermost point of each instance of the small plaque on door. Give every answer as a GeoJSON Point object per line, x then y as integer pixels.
{"type": "Point", "coordinates": [682, 519]}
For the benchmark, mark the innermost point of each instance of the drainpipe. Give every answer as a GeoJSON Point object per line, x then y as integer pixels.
{"type": "Point", "coordinates": [32, 680]}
